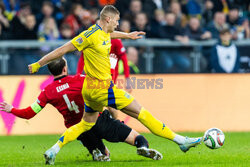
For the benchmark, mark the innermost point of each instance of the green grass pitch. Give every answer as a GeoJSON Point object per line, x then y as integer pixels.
{"type": "Point", "coordinates": [28, 151]}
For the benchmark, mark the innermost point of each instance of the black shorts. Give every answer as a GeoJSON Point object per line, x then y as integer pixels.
{"type": "Point", "coordinates": [109, 129]}
{"type": "Point", "coordinates": [105, 128]}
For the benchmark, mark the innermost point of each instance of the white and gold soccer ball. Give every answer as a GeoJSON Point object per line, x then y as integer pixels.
{"type": "Point", "coordinates": [214, 138]}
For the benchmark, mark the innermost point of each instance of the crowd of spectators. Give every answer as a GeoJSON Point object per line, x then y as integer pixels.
{"type": "Point", "coordinates": [179, 20]}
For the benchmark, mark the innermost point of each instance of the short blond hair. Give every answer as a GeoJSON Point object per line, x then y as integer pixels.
{"type": "Point", "coordinates": [108, 9]}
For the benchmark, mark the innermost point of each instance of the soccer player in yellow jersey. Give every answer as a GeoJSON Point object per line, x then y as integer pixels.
{"type": "Point", "coordinates": [99, 90]}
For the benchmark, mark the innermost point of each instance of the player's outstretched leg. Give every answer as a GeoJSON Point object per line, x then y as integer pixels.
{"type": "Point", "coordinates": [158, 128]}
{"type": "Point", "coordinates": [70, 135]}
{"type": "Point", "coordinates": [115, 131]}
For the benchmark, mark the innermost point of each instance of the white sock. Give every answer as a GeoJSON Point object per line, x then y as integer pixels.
{"type": "Point", "coordinates": [179, 139]}
{"type": "Point", "coordinates": [56, 148]}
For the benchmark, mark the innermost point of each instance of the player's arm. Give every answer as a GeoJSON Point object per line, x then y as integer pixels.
{"type": "Point", "coordinates": [125, 65]}
{"type": "Point", "coordinates": [126, 72]}
{"type": "Point", "coordinates": [80, 65]}
{"type": "Point", "coordinates": [25, 113]}
{"type": "Point", "coordinates": [59, 52]}
{"type": "Point", "coordinates": [121, 51]}
{"type": "Point", "coordinates": [80, 42]}
{"type": "Point", "coordinates": [124, 35]}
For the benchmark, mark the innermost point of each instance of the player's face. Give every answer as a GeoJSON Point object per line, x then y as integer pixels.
{"type": "Point", "coordinates": [114, 22]}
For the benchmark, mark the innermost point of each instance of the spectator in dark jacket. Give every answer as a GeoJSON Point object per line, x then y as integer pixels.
{"type": "Point", "coordinates": [194, 31]}
{"type": "Point", "coordinates": [150, 6]}
{"type": "Point", "coordinates": [158, 23]}
{"type": "Point", "coordinates": [30, 31]}
{"type": "Point", "coordinates": [4, 24]}
{"type": "Point", "coordinates": [238, 25]}
{"type": "Point", "coordinates": [141, 24]}
{"type": "Point", "coordinates": [135, 7]}
{"type": "Point", "coordinates": [18, 23]}
{"type": "Point", "coordinates": [46, 12]}
{"type": "Point", "coordinates": [180, 18]}
{"type": "Point", "coordinates": [3, 20]}
{"type": "Point", "coordinates": [172, 32]}
{"type": "Point", "coordinates": [208, 12]}
{"type": "Point", "coordinates": [224, 55]}
{"type": "Point", "coordinates": [217, 25]}
{"type": "Point", "coordinates": [3, 35]}
{"type": "Point", "coordinates": [170, 58]}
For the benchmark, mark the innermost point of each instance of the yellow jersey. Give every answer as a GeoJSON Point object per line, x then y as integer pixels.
{"type": "Point", "coordinates": [96, 45]}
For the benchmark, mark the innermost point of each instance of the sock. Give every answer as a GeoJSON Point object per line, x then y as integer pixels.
{"type": "Point", "coordinates": [74, 131]}
{"type": "Point", "coordinates": [154, 125]}
{"type": "Point", "coordinates": [140, 141]}
{"type": "Point", "coordinates": [179, 139]}
{"type": "Point", "coordinates": [56, 147]}
{"type": "Point", "coordinates": [91, 142]}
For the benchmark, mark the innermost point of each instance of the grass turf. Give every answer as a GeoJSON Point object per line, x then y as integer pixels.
{"type": "Point", "coordinates": [28, 150]}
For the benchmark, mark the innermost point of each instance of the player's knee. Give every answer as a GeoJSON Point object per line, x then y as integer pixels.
{"type": "Point", "coordinates": [140, 141]}
{"type": "Point", "coordinates": [90, 117]}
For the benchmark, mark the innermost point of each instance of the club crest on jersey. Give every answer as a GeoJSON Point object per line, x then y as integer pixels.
{"type": "Point", "coordinates": [62, 87]}
{"type": "Point", "coordinates": [105, 42]}
{"type": "Point", "coordinates": [79, 40]}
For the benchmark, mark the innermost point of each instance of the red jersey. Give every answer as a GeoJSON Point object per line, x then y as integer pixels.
{"type": "Point", "coordinates": [118, 49]}
{"type": "Point", "coordinates": [65, 95]}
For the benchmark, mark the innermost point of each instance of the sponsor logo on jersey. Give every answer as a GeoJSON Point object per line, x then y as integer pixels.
{"type": "Point", "coordinates": [62, 87]}
{"type": "Point", "coordinates": [79, 40]}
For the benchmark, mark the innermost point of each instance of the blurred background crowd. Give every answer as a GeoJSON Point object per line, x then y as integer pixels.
{"type": "Point", "coordinates": [175, 20]}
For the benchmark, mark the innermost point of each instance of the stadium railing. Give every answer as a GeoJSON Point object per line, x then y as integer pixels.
{"type": "Point", "coordinates": [148, 44]}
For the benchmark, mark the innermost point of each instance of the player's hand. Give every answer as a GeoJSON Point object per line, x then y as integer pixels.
{"type": "Point", "coordinates": [5, 107]}
{"type": "Point", "coordinates": [113, 60]}
{"type": "Point", "coordinates": [136, 34]}
{"type": "Point", "coordinates": [113, 55]}
{"type": "Point", "coordinates": [33, 68]}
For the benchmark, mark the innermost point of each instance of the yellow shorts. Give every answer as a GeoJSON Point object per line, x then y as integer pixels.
{"type": "Point", "coordinates": [98, 94]}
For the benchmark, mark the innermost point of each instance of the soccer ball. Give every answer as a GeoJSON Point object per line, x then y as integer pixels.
{"type": "Point", "coordinates": [214, 138]}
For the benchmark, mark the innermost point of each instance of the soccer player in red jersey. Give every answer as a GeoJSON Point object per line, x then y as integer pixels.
{"type": "Point", "coordinates": [65, 95]}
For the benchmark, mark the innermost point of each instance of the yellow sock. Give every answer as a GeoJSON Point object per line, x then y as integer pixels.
{"type": "Point", "coordinates": [154, 125]}
{"type": "Point", "coordinates": [74, 131]}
